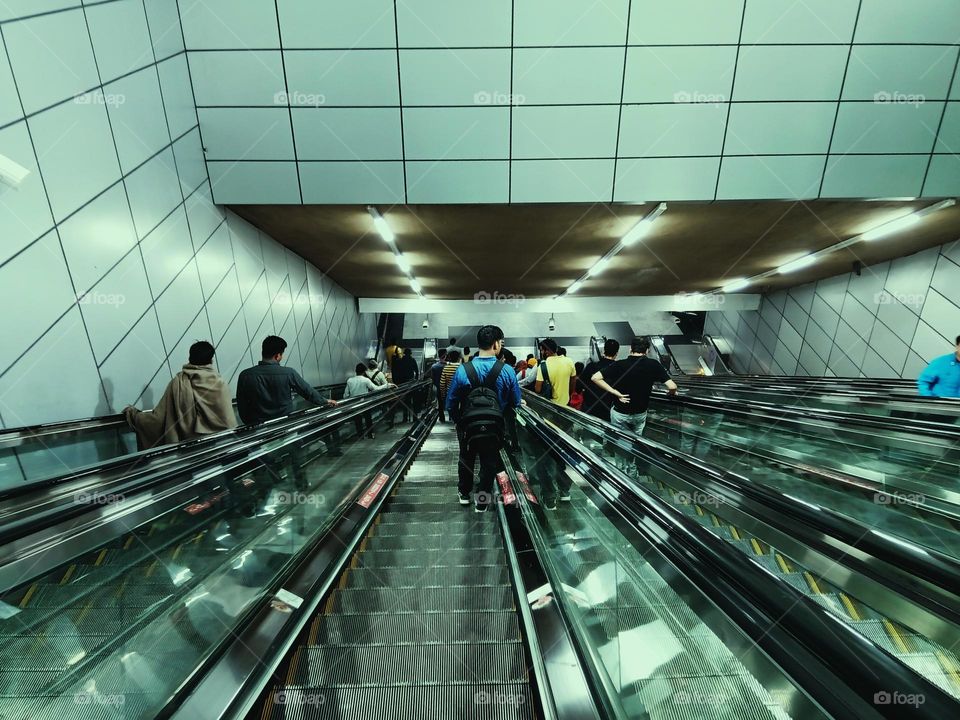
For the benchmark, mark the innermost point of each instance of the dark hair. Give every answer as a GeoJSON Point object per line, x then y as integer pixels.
{"type": "Point", "coordinates": [640, 344]}
{"type": "Point", "coordinates": [360, 369]}
{"type": "Point", "coordinates": [958, 339]}
{"type": "Point", "coordinates": [611, 347]}
{"type": "Point", "coordinates": [466, 350]}
{"type": "Point", "coordinates": [561, 351]}
{"type": "Point", "coordinates": [549, 344]}
{"type": "Point", "coordinates": [579, 367]}
{"type": "Point", "coordinates": [273, 345]}
{"type": "Point", "coordinates": [442, 354]}
{"type": "Point", "coordinates": [453, 356]}
{"type": "Point", "coordinates": [201, 353]}
{"type": "Point", "coordinates": [488, 335]}
{"type": "Point", "coordinates": [508, 357]}
{"type": "Point", "coordinates": [530, 355]}
{"type": "Point", "coordinates": [453, 341]}
{"type": "Point", "coordinates": [407, 351]}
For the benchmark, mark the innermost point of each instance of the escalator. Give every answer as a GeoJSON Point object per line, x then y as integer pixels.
{"type": "Point", "coordinates": [731, 517]}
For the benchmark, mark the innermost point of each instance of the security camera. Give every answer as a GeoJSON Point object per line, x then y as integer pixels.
{"type": "Point", "coordinates": [426, 323]}
{"type": "Point", "coordinates": [551, 324]}
{"type": "Point", "coordinates": [12, 173]}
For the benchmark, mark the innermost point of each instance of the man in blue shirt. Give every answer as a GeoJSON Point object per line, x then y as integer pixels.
{"type": "Point", "coordinates": [490, 342]}
{"type": "Point", "coordinates": [941, 378]}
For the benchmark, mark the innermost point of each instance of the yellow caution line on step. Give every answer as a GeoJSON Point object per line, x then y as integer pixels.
{"type": "Point", "coordinates": [784, 563]}
{"type": "Point", "coordinates": [328, 606]}
{"type": "Point", "coordinates": [898, 638]}
{"type": "Point", "coordinates": [736, 533]}
{"type": "Point", "coordinates": [812, 582]}
{"type": "Point", "coordinates": [294, 663]}
{"type": "Point", "coordinates": [129, 542]}
{"type": "Point", "coordinates": [757, 547]}
{"type": "Point", "coordinates": [26, 598]}
{"type": "Point", "coordinates": [950, 667]}
{"type": "Point", "coordinates": [68, 574]}
{"type": "Point", "coordinates": [100, 557]}
{"type": "Point", "coordinates": [699, 510]}
{"type": "Point", "coordinates": [851, 608]}
{"type": "Point", "coordinates": [717, 522]}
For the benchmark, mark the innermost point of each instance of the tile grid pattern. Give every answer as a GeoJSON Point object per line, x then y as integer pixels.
{"type": "Point", "coordinates": [113, 257]}
{"type": "Point", "coordinates": [430, 101]}
{"type": "Point", "coordinates": [889, 321]}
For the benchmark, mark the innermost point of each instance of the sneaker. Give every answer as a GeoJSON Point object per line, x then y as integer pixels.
{"type": "Point", "coordinates": [565, 497]}
{"type": "Point", "coordinates": [464, 499]}
{"type": "Point", "coordinates": [481, 507]}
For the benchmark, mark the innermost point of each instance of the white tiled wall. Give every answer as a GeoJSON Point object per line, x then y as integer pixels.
{"type": "Point", "coordinates": [96, 101]}
{"type": "Point", "coordinates": [889, 321]}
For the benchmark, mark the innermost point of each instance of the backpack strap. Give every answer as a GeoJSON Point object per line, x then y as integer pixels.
{"type": "Point", "coordinates": [472, 376]}
{"type": "Point", "coordinates": [490, 380]}
{"type": "Point", "coordinates": [546, 374]}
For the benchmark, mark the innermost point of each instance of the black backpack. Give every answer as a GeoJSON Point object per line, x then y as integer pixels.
{"type": "Point", "coordinates": [481, 417]}
{"type": "Point", "coordinates": [547, 388]}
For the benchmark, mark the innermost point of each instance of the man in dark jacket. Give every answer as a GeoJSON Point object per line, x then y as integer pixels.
{"type": "Point", "coordinates": [404, 371]}
{"type": "Point", "coordinates": [265, 392]}
{"type": "Point", "coordinates": [597, 402]}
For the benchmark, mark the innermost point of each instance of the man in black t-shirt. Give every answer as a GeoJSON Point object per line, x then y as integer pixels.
{"type": "Point", "coordinates": [597, 401]}
{"type": "Point", "coordinates": [630, 381]}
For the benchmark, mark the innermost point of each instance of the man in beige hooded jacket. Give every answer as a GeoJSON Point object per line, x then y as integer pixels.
{"type": "Point", "coordinates": [196, 402]}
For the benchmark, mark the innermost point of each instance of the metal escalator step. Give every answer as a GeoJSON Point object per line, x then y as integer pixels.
{"type": "Point", "coordinates": [443, 576]}
{"type": "Point", "coordinates": [437, 504]}
{"type": "Point", "coordinates": [428, 558]}
{"type": "Point", "coordinates": [25, 683]}
{"type": "Point", "coordinates": [475, 701]}
{"type": "Point", "coordinates": [430, 543]}
{"type": "Point", "coordinates": [451, 511]}
{"type": "Point", "coordinates": [379, 665]}
{"type": "Point", "coordinates": [417, 600]}
{"type": "Point", "coordinates": [453, 527]}
{"type": "Point", "coordinates": [430, 628]}
{"type": "Point", "coordinates": [704, 698]}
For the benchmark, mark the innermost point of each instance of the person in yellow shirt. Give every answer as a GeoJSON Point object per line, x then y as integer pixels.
{"type": "Point", "coordinates": [560, 372]}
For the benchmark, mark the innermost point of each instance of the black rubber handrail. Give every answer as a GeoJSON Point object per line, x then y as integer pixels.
{"type": "Point", "coordinates": [840, 669]}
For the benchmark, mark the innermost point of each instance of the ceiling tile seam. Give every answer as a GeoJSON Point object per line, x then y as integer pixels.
{"type": "Point", "coordinates": [286, 95]}
{"type": "Point", "coordinates": [403, 143]}
{"type": "Point", "coordinates": [623, 83]}
{"type": "Point", "coordinates": [943, 114]}
{"type": "Point", "coordinates": [836, 115]}
{"type": "Point", "coordinates": [513, 20]}
{"type": "Point", "coordinates": [733, 82]}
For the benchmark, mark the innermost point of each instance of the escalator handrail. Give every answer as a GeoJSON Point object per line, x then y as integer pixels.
{"type": "Point", "coordinates": [752, 408]}
{"type": "Point", "coordinates": [196, 456]}
{"type": "Point", "coordinates": [933, 566]}
{"type": "Point", "coordinates": [16, 436]}
{"type": "Point", "coordinates": [778, 618]}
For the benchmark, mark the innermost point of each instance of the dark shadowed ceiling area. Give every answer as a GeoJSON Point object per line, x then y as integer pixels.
{"type": "Point", "coordinates": [538, 250]}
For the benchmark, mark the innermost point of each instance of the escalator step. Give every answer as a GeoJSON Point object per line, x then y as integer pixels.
{"type": "Point", "coordinates": [444, 576]}
{"type": "Point", "coordinates": [451, 512]}
{"type": "Point", "coordinates": [426, 505]}
{"type": "Point", "coordinates": [378, 665]}
{"type": "Point", "coordinates": [454, 527]}
{"type": "Point", "coordinates": [482, 702]}
{"type": "Point", "coordinates": [480, 541]}
{"type": "Point", "coordinates": [427, 629]}
{"type": "Point", "coordinates": [429, 558]}
{"type": "Point", "coordinates": [417, 600]}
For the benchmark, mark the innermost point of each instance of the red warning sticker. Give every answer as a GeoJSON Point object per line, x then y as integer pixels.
{"type": "Point", "coordinates": [526, 488]}
{"type": "Point", "coordinates": [366, 500]}
{"type": "Point", "coordinates": [506, 489]}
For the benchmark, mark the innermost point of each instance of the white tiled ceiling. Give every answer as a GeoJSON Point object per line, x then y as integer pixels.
{"type": "Point", "coordinates": [440, 101]}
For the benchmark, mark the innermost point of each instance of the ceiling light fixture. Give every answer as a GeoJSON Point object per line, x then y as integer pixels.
{"type": "Point", "coordinates": [798, 264]}
{"type": "Point", "coordinates": [633, 235]}
{"type": "Point", "coordinates": [415, 286]}
{"type": "Point", "coordinates": [734, 285]}
{"type": "Point", "coordinates": [402, 262]}
{"type": "Point", "coordinates": [381, 225]}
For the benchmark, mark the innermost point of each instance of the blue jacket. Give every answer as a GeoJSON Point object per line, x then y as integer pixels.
{"type": "Point", "coordinates": [941, 378]}
{"type": "Point", "coordinates": [507, 389]}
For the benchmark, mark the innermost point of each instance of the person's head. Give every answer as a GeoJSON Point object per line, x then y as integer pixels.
{"type": "Point", "coordinates": [407, 352]}
{"type": "Point", "coordinates": [201, 353]}
{"type": "Point", "coordinates": [508, 357]}
{"type": "Point", "coordinates": [531, 362]}
{"type": "Point", "coordinates": [453, 341]}
{"type": "Point", "coordinates": [530, 356]}
{"type": "Point", "coordinates": [490, 338]}
{"type": "Point", "coordinates": [360, 369]}
{"type": "Point", "coordinates": [442, 355]}
{"type": "Point", "coordinates": [610, 348]}
{"type": "Point", "coordinates": [640, 345]}
{"type": "Point", "coordinates": [466, 350]}
{"type": "Point", "coordinates": [273, 348]}
{"type": "Point", "coordinates": [548, 347]}
{"type": "Point", "coordinates": [561, 351]}
{"type": "Point", "coordinates": [372, 364]}
{"type": "Point", "coordinates": [958, 347]}
{"type": "Point", "coordinates": [579, 367]}
{"type": "Point", "coordinates": [453, 356]}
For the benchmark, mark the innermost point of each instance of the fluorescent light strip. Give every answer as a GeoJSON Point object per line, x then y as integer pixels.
{"type": "Point", "coordinates": [415, 286]}
{"type": "Point", "coordinates": [402, 262]}
{"type": "Point", "coordinates": [381, 225]}
{"type": "Point", "coordinates": [887, 228]}
{"type": "Point", "coordinates": [387, 234]}
{"type": "Point", "coordinates": [635, 233]}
